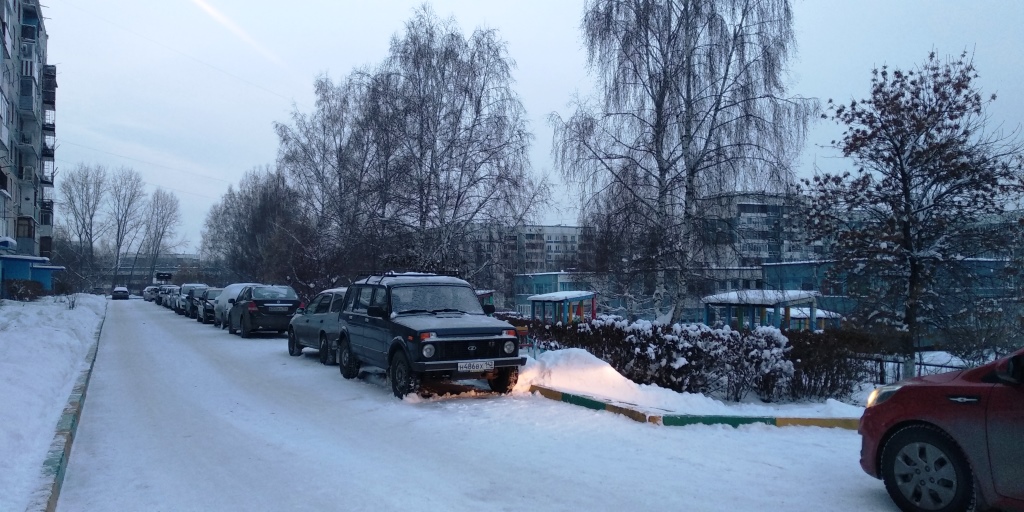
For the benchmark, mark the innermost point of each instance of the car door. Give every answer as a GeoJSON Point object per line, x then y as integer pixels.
{"type": "Point", "coordinates": [377, 329]}
{"type": "Point", "coordinates": [331, 324]}
{"type": "Point", "coordinates": [241, 302]}
{"type": "Point", "coordinates": [1005, 432]}
{"type": "Point", "coordinates": [356, 319]}
{"type": "Point", "coordinates": [303, 324]}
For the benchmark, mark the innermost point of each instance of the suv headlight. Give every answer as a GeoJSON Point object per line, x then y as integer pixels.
{"type": "Point", "coordinates": [882, 393]}
{"type": "Point", "coordinates": [510, 347]}
{"type": "Point", "coordinates": [428, 351]}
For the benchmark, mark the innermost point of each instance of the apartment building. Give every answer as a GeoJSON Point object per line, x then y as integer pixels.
{"type": "Point", "coordinates": [28, 88]}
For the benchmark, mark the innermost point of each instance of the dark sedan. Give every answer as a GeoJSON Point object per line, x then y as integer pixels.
{"type": "Point", "coordinates": [262, 308]}
{"type": "Point", "coordinates": [204, 304]}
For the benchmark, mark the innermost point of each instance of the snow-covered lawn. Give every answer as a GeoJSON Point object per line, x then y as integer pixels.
{"type": "Point", "coordinates": [43, 346]}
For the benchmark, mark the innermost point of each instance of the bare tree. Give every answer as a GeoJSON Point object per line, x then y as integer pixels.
{"type": "Point", "coordinates": [461, 153]}
{"type": "Point", "coordinates": [125, 212]}
{"type": "Point", "coordinates": [83, 191]}
{"type": "Point", "coordinates": [931, 186]}
{"type": "Point", "coordinates": [162, 219]}
{"type": "Point", "coordinates": [692, 102]}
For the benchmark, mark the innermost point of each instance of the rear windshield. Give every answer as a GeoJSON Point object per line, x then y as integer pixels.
{"type": "Point", "coordinates": [274, 292]}
{"type": "Point", "coordinates": [212, 294]}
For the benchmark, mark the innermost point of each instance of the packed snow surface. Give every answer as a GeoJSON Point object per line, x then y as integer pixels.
{"type": "Point", "coordinates": [184, 416]}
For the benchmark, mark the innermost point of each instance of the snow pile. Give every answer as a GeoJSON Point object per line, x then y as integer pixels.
{"type": "Point", "coordinates": [576, 371]}
{"type": "Point", "coordinates": [43, 346]}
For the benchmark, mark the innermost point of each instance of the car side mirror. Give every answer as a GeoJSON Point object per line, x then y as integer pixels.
{"type": "Point", "coordinates": [377, 311]}
{"type": "Point", "coordinates": [300, 311]}
{"type": "Point", "coordinates": [1014, 372]}
{"type": "Point", "coordinates": [488, 309]}
{"type": "Point", "coordinates": [231, 301]}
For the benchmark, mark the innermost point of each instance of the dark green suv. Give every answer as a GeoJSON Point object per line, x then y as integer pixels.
{"type": "Point", "coordinates": [424, 327]}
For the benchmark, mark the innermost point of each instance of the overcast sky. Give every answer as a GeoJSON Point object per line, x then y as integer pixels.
{"type": "Point", "coordinates": [186, 91]}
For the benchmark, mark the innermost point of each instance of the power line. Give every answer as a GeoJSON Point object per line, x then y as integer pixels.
{"type": "Point", "coordinates": [161, 186]}
{"type": "Point", "coordinates": [64, 141]}
{"type": "Point", "coordinates": [168, 48]}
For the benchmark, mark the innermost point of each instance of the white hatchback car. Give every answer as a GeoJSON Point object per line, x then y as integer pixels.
{"type": "Point", "coordinates": [221, 306]}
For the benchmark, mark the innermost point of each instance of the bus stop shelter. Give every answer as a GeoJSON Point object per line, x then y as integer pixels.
{"type": "Point", "coordinates": [750, 307]}
{"type": "Point", "coordinates": [567, 307]}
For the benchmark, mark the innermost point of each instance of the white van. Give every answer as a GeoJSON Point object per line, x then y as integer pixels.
{"type": "Point", "coordinates": [221, 306]}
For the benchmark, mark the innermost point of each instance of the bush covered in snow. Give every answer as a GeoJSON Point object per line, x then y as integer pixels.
{"type": "Point", "coordinates": [723, 362]}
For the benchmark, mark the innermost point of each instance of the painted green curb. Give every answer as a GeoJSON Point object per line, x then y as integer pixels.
{"type": "Point", "coordinates": [56, 463]}
{"type": "Point", "coordinates": [682, 420]}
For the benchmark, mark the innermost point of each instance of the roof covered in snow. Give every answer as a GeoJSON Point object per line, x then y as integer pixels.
{"type": "Point", "coordinates": [761, 297]}
{"type": "Point", "coordinates": [560, 296]}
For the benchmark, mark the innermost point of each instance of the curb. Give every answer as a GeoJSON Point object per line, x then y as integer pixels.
{"type": "Point", "coordinates": [56, 463]}
{"type": "Point", "coordinates": [681, 420]}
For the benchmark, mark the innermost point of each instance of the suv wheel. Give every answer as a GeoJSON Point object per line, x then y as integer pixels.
{"type": "Point", "coordinates": [504, 380]}
{"type": "Point", "coordinates": [403, 379]}
{"type": "Point", "coordinates": [924, 469]}
{"type": "Point", "coordinates": [347, 362]}
{"type": "Point", "coordinates": [294, 349]}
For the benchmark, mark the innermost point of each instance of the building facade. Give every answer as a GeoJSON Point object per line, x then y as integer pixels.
{"type": "Point", "coordinates": [28, 88]}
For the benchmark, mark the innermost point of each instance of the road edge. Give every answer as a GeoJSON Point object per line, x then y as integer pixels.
{"type": "Point", "coordinates": [56, 462]}
{"type": "Point", "coordinates": [678, 420]}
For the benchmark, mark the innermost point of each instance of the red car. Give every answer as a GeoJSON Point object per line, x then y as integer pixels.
{"type": "Point", "coordinates": [947, 442]}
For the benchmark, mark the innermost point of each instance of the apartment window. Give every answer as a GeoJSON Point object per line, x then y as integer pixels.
{"type": "Point", "coordinates": [26, 229]}
{"type": "Point", "coordinates": [46, 218]}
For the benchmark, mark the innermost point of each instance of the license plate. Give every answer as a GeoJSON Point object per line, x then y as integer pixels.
{"type": "Point", "coordinates": [278, 309]}
{"type": "Point", "coordinates": [476, 366]}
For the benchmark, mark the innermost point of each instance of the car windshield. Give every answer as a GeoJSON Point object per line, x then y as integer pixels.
{"type": "Point", "coordinates": [274, 292]}
{"type": "Point", "coordinates": [434, 299]}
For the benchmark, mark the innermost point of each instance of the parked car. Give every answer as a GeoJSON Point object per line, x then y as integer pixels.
{"type": "Point", "coordinates": [119, 293]}
{"type": "Point", "coordinates": [317, 325]}
{"type": "Point", "coordinates": [418, 327]}
{"type": "Point", "coordinates": [183, 303]}
{"type": "Point", "coordinates": [169, 295]}
{"type": "Point", "coordinates": [204, 308]}
{"type": "Point", "coordinates": [949, 441]}
{"type": "Point", "coordinates": [221, 306]}
{"type": "Point", "coordinates": [262, 308]}
{"type": "Point", "coordinates": [149, 293]}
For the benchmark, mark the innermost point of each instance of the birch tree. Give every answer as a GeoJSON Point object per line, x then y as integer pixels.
{"type": "Point", "coordinates": [931, 188]}
{"type": "Point", "coordinates": [83, 192]}
{"type": "Point", "coordinates": [691, 102]}
{"type": "Point", "coordinates": [125, 211]}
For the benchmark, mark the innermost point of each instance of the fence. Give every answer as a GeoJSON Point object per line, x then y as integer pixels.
{"type": "Point", "coordinates": [884, 370]}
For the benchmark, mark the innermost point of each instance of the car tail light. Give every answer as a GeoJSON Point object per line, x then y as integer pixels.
{"type": "Point", "coordinates": [252, 307]}
{"type": "Point", "coordinates": [302, 305]}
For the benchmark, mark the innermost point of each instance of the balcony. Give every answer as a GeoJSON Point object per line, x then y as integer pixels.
{"type": "Point", "coordinates": [49, 86]}
{"type": "Point", "coordinates": [46, 179]}
{"type": "Point", "coordinates": [47, 151]}
{"type": "Point", "coordinates": [49, 126]}
{"type": "Point", "coordinates": [46, 205]}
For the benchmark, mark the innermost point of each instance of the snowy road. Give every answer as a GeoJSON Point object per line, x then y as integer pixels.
{"type": "Point", "coordinates": [183, 416]}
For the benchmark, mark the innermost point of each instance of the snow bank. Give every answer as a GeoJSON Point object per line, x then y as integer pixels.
{"type": "Point", "coordinates": [43, 346]}
{"type": "Point", "coordinates": [576, 371]}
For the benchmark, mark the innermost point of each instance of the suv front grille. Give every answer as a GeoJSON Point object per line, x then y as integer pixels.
{"type": "Point", "coordinates": [459, 350]}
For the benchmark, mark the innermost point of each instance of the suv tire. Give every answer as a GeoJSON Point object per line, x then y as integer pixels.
{"type": "Point", "coordinates": [910, 450]}
{"type": "Point", "coordinates": [403, 379]}
{"type": "Point", "coordinates": [347, 361]}
{"type": "Point", "coordinates": [504, 380]}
